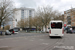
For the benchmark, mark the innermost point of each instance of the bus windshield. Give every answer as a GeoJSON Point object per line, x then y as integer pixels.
{"type": "Point", "coordinates": [56, 25]}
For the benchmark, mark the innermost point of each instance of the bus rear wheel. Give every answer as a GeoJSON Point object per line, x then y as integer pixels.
{"type": "Point", "coordinates": [50, 36]}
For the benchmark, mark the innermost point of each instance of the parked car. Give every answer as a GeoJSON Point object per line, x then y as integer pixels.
{"type": "Point", "coordinates": [73, 29]}
{"type": "Point", "coordinates": [11, 30]}
{"type": "Point", "coordinates": [7, 32]}
{"type": "Point", "coordinates": [69, 31]}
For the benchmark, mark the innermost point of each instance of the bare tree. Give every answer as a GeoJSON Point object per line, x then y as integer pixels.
{"type": "Point", "coordinates": [45, 14]}
{"type": "Point", "coordinates": [61, 17]}
{"type": "Point", "coordinates": [35, 22]}
{"type": "Point", "coordinates": [26, 22]}
{"type": "Point", "coordinates": [20, 23]}
{"type": "Point", "coordinates": [6, 10]}
{"type": "Point", "coordinates": [23, 23]}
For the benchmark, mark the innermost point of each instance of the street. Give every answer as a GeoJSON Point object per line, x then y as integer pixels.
{"type": "Point", "coordinates": [37, 41]}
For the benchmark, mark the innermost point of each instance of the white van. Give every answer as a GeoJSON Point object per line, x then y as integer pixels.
{"type": "Point", "coordinates": [56, 28]}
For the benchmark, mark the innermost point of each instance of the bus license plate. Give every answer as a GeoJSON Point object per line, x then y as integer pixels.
{"type": "Point", "coordinates": [56, 34]}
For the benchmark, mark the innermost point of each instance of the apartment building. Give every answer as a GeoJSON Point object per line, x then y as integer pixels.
{"type": "Point", "coordinates": [69, 17]}
{"type": "Point", "coordinates": [22, 13]}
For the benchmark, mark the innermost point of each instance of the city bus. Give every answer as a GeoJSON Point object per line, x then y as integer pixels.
{"type": "Point", "coordinates": [56, 28]}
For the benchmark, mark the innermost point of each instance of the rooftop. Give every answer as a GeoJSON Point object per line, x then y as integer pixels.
{"type": "Point", "coordinates": [24, 8]}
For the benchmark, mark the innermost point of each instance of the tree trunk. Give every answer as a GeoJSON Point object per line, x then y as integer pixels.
{"type": "Point", "coordinates": [0, 26]}
{"type": "Point", "coordinates": [36, 29]}
{"type": "Point", "coordinates": [45, 28]}
{"type": "Point", "coordinates": [42, 28]}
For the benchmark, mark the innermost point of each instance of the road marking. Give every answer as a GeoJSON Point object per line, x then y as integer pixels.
{"type": "Point", "coordinates": [3, 46]}
{"type": "Point", "coordinates": [41, 39]}
{"type": "Point", "coordinates": [1, 39]}
{"type": "Point", "coordinates": [64, 47]}
{"type": "Point", "coordinates": [31, 40]}
{"type": "Point", "coordinates": [12, 38]}
{"type": "Point", "coordinates": [45, 43]}
{"type": "Point", "coordinates": [59, 43]}
{"type": "Point", "coordinates": [15, 40]}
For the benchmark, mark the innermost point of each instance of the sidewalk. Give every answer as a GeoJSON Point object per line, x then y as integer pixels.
{"type": "Point", "coordinates": [31, 32]}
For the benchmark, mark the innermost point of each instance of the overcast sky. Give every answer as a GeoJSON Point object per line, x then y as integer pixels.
{"type": "Point", "coordinates": [60, 5]}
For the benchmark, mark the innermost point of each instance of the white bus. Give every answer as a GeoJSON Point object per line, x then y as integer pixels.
{"type": "Point", "coordinates": [56, 28]}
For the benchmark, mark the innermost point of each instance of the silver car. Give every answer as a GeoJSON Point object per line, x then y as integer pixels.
{"type": "Point", "coordinates": [7, 32]}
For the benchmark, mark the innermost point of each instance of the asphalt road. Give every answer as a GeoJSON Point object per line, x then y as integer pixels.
{"type": "Point", "coordinates": [37, 41]}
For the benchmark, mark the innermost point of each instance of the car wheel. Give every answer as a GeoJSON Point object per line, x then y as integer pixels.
{"type": "Point", "coordinates": [5, 33]}
{"type": "Point", "coordinates": [67, 32]}
{"type": "Point", "coordinates": [70, 32]}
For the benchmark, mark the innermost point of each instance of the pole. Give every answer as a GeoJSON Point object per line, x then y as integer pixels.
{"type": "Point", "coordinates": [3, 26]}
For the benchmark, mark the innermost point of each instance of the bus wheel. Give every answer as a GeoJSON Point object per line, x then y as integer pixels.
{"type": "Point", "coordinates": [50, 37]}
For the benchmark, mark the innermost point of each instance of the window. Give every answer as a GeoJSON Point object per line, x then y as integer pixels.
{"type": "Point", "coordinates": [68, 14]}
{"type": "Point", "coordinates": [16, 30]}
{"type": "Point", "coordinates": [30, 12]}
{"type": "Point", "coordinates": [22, 14]}
{"type": "Point", "coordinates": [69, 22]}
{"type": "Point", "coordinates": [68, 18]}
{"type": "Point", "coordinates": [57, 25]}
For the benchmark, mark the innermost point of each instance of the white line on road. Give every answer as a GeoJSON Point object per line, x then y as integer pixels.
{"type": "Point", "coordinates": [31, 40]}
{"type": "Point", "coordinates": [1, 39]}
{"type": "Point", "coordinates": [3, 46]}
{"type": "Point", "coordinates": [45, 43]}
{"type": "Point", "coordinates": [64, 47]}
{"type": "Point", "coordinates": [59, 43]}
{"type": "Point", "coordinates": [10, 38]}
{"type": "Point", "coordinates": [41, 39]}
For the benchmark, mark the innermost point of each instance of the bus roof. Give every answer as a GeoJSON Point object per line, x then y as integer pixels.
{"type": "Point", "coordinates": [56, 21]}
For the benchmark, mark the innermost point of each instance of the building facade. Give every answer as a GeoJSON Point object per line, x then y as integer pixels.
{"type": "Point", "coordinates": [22, 13]}
{"type": "Point", "coordinates": [69, 17]}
